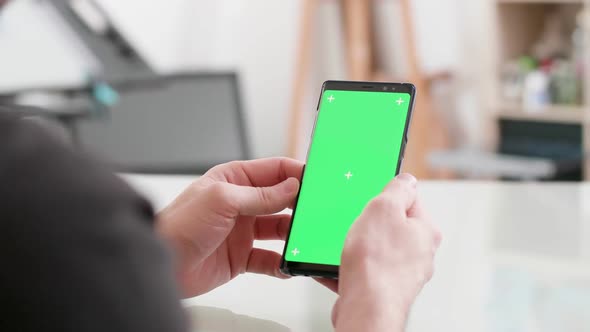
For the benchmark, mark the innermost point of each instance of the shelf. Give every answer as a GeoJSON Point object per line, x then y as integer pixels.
{"type": "Point", "coordinates": [555, 2]}
{"type": "Point", "coordinates": [555, 113]}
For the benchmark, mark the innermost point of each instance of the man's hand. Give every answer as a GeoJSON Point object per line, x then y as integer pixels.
{"type": "Point", "coordinates": [212, 225]}
{"type": "Point", "coordinates": [388, 257]}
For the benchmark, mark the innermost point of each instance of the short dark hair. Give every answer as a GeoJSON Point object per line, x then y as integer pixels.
{"type": "Point", "coordinates": [2, 3]}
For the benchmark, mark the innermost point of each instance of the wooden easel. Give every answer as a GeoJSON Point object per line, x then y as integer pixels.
{"type": "Point", "coordinates": [359, 60]}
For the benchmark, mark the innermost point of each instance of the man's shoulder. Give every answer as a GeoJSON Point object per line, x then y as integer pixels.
{"type": "Point", "coordinates": [20, 124]}
{"type": "Point", "coordinates": [38, 168]}
{"type": "Point", "coordinates": [76, 242]}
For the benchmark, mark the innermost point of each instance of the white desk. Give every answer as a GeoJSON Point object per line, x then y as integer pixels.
{"type": "Point", "coordinates": [515, 257]}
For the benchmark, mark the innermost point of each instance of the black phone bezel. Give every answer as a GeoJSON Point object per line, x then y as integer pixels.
{"type": "Point", "coordinates": [331, 271]}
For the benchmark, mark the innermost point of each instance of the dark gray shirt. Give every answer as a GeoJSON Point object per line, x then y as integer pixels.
{"type": "Point", "coordinates": [77, 246]}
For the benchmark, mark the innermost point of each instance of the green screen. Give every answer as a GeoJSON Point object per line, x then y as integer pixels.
{"type": "Point", "coordinates": [353, 155]}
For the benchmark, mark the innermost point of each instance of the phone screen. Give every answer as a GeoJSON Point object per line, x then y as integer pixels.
{"type": "Point", "coordinates": [354, 153]}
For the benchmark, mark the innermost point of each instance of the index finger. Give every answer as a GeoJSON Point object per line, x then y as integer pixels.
{"type": "Point", "coordinates": [417, 209]}
{"type": "Point", "coordinates": [403, 191]}
{"type": "Point", "coordinates": [260, 172]}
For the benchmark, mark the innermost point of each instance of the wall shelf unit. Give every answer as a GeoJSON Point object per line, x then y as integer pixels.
{"type": "Point", "coordinates": [519, 26]}
{"type": "Point", "coordinates": [553, 113]}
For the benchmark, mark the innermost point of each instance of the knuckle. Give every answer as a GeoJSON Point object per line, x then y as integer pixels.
{"type": "Point", "coordinates": [264, 197]}
{"type": "Point", "coordinates": [222, 168]}
{"type": "Point", "coordinates": [362, 248]}
{"type": "Point", "coordinates": [349, 245]}
{"type": "Point", "coordinates": [381, 203]}
{"type": "Point", "coordinates": [356, 249]}
{"type": "Point", "coordinates": [429, 272]}
{"type": "Point", "coordinates": [217, 191]}
{"type": "Point", "coordinates": [388, 205]}
{"type": "Point", "coordinates": [231, 165]}
{"type": "Point", "coordinates": [397, 208]}
{"type": "Point", "coordinates": [335, 311]}
{"type": "Point", "coordinates": [401, 186]}
{"type": "Point", "coordinates": [234, 163]}
{"type": "Point", "coordinates": [438, 237]}
{"type": "Point", "coordinates": [397, 184]}
{"type": "Point", "coordinates": [283, 160]}
{"type": "Point", "coordinates": [216, 168]}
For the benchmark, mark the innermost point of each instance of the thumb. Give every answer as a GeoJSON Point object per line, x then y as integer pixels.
{"type": "Point", "coordinates": [252, 201]}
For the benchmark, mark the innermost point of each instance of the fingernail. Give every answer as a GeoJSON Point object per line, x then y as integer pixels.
{"type": "Point", "coordinates": [290, 186]}
{"type": "Point", "coordinates": [408, 178]}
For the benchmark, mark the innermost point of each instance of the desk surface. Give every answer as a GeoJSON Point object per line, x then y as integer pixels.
{"type": "Point", "coordinates": [515, 257]}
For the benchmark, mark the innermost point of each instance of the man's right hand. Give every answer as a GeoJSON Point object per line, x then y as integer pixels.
{"type": "Point", "coordinates": [388, 257]}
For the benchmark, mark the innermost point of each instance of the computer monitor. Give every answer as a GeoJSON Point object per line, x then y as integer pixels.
{"type": "Point", "coordinates": [169, 124]}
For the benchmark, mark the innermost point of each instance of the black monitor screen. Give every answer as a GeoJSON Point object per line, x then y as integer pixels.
{"type": "Point", "coordinates": [181, 124]}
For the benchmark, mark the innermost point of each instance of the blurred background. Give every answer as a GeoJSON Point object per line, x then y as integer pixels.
{"type": "Point", "coordinates": [177, 86]}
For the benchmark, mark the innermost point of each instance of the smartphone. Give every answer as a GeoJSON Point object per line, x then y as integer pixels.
{"type": "Point", "coordinates": [357, 147]}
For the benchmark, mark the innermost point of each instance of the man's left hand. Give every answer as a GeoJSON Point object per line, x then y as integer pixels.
{"type": "Point", "coordinates": [212, 225]}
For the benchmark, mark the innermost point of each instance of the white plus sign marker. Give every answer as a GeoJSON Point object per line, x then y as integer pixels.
{"type": "Point", "coordinates": [295, 252]}
{"type": "Point", "coordinates": [331, 99]}
{"type": "Point", "coordinates": [399, 101]}
{"type": "Point", "coordinates": [348, 175]}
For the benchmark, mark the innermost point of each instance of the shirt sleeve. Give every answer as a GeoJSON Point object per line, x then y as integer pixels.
{"type": "Point", "coordinates": [77, 247]}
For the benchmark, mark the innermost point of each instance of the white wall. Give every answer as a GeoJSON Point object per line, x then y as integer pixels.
{"type": "Point", "coordinates": [38, 50]}
{"type": "Point", "coordinates": [35, 51]}
{"type": "Point", "coordinates": [258, 38]}
{"type": "Point", "coordinates": [437, 33]}
{"type": "Point", "coordinates": [155, 28]}
{"type": "Point", "coordinates": [475, 73]}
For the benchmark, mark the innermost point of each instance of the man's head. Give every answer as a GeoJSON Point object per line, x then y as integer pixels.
{"type": "Point", "coordinates": [3, 3]}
